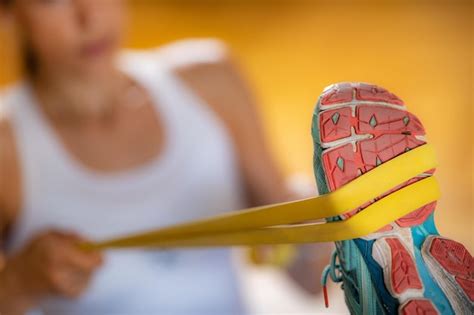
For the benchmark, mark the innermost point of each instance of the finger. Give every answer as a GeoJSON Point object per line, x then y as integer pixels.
{"type": "Point", "coordinates": [76, 239]}
{"type": "Point", "coordinates": [58, 235]}
{"type": "Point", "coordinates": [62, 252]}
{"type": "Point", "coordinates": [76, 258]}
{"type": "Point", "coordinates": [70, 283]}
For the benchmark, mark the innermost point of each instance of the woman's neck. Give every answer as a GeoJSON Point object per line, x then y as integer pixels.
{"type": "Point", "coordinates": [78, 98]}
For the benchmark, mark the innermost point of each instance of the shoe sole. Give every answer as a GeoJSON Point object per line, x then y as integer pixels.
{"type": "Point", "coordinates": [357, 127]}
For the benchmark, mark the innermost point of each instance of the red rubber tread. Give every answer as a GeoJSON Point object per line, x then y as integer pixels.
{"type": "Point", "coordinates": [393, 131]}
{"type": "Point", "coordinates": [457, 261]}
{"type": "Point", "coordinates": [417, 217]}
{"type": "Point", "coordinates": [335, 124]}
{"type": "Point", "coordinates": [386, 120]}
{"type": "Point", "coordinates": [468, 287]}
{"type": "Point", "coordinates": [340, 175]}
{"type": "Point", "coordinates": [341, 94]}
{"type": "Point", "coordinates": [404, 273]}
{"type": "Point", "coordinates": [386, 228]}
{"type": "Point", "coordinates": [369, 92]}
{"type": "Point", "coordinates": [418, 307]}
{"type": "Point", "coordinates": [370, 119]}
{"type": "Point", "coordinates": [384, 148]}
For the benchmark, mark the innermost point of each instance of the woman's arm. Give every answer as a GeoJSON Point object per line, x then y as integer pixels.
{"type": "Point", "coordinates": [220, 83]}
{"type": "Point", "coordinates": [217, 80]}
{"type": "Point", "coordinates": [12, 301]}
{"type": "Point", "coordinates": [51, 263]}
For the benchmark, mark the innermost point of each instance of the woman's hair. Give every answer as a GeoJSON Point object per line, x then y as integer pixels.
{"type": "Point", "coordinates": [30, 63]}
{"type": "Point", "coordinates": [5, 2]}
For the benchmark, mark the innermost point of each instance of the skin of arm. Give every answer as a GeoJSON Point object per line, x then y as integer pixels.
{"type": "Point", "coordinates": [220, 83]}
{"type": "Point", "coordinates": [51, 263]}
{"type": "Point", "coordinates": [9, 197]}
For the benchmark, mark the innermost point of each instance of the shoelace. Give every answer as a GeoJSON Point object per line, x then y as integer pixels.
{"type": "Point", "coordinates": [335, 271]}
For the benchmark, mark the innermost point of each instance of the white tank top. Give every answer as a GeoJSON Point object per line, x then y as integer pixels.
{"type": "Point", "coordinates": [195, 176]}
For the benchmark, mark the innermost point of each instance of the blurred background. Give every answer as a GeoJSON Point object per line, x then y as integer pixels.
{"type": "Point", "coordinates": [290, 50]}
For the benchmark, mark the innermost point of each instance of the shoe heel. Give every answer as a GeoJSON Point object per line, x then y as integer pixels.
{"type": "Point", "coordinates": [452, 266]}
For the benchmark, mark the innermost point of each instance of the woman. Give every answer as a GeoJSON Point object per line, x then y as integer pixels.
{"type": "Point", "coordinates": [95, 146]}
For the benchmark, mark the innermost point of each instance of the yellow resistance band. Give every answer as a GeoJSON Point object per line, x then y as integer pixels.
{"type": "Point", "coordinates": [369, 220]}
{"type": "Point", "coordinates": [359, 191]}
{"type": "Point", "coordinates": [372, 218]}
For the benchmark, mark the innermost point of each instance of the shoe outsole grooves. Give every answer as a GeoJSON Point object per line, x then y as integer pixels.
{"type": "Point", "coordinates": [360, 127]}
{"type": "Point", "coordinates": [418, 307]}
{"type": "Point", "coordinates": [450, 260]}
{"type": "Point", "coordinates": [400, 272]}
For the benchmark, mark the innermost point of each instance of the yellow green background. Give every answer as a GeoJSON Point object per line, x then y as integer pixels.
{"type": "Point", "coordinates": [291, 50]}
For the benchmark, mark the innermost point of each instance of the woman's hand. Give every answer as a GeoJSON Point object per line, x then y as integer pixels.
{"type": "Point", "coordinates": [52, 263]}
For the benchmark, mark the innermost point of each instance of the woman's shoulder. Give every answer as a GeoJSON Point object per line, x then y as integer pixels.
{"type": "Point", "coordinates": [206, 59]}
{"type": "Point", "coordinates": [192, 52]}
{"type": "Point", "coordinates": [179, 55]}
{"type": "Point", "coordinates": [6, 129]}
{"type": "Point", "coordinates": [9, 169]}
{"type": "Point", "coordinates": [208, 67]}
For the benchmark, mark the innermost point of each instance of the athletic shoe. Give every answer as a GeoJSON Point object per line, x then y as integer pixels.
{"type": "Point", "coordinates": [406, 267]}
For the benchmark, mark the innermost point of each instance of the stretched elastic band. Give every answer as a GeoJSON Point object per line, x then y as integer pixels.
{"type": "Point", "coordinates": [251, 222]}
{"type": "Point", "coordinates": [372, 218]}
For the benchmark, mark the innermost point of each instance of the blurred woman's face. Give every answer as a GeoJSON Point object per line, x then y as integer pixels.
{"type": "Point", "coordinates": [80, 36]}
